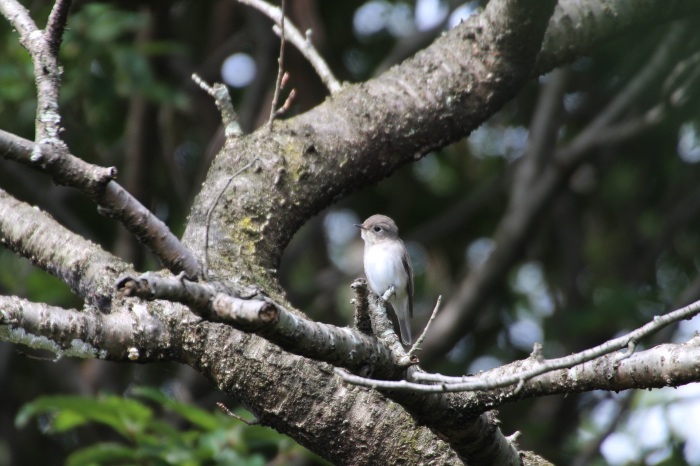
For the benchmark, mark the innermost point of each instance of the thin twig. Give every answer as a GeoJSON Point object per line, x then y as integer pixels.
{"type": "Point", "coordinates": [287, 103]}
{"type": "Point", "coordinates": [280, 72]}
{"type": "Point", "coordinates": [211, 211]}
{"type": "Point", "coordinates": [222, 99]}
{"type": "Point", "coordinates": [416, 346]}
{"type": "Point", "coordinates": [471, 383]}
{"type": "Point", "coordinates": [300, 42]}
{"type": "Point", "coordinates": [234, 415]}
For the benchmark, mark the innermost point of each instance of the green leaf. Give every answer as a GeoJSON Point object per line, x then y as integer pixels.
{"type": "Point", "coordinates": [196, 416]}
{"type": "Point", "coordinates": [102, 453]}
{"type": "Point", "coordinates": [126, 416]}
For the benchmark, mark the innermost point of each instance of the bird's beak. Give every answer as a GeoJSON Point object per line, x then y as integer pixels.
{"type": "Point", "coordinates": [359, 225]}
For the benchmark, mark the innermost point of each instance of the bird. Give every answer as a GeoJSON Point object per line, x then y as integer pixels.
{"type": "Point", "coordinates": [387, 264]}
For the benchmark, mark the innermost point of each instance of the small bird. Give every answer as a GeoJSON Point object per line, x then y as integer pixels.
{"type": "Point", "coordinates": [387, 263]}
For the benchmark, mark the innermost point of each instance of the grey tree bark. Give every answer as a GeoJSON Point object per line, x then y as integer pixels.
{"type": "Point", "coordinates": [262, 187]}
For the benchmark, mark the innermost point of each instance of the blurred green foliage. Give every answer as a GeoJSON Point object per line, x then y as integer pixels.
{"type": "Point", "coordinates": [155, 429]}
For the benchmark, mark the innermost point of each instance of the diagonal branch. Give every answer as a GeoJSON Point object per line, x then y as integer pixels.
{"type": "Point", "coordinates": [303, 44]}
{"type": "Point", "coordinates": [365, 132]}
{"type": "Point", "coordinates": [535, 182]}
{"type": "Point", "coordinates": [113, 201]}
{"type": "Point", "coordinates": [82, 265]}
{"type": "Point", "coordinates": [492, 380]}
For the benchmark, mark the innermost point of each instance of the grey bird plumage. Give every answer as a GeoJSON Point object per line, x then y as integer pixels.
{"type": "Point", "coordinates": [387, 263]}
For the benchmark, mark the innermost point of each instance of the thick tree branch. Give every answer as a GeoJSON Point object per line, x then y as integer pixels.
{"type": "Point", "coordinates": [85, 334]}
{"type": "Point", "coordinates": [88, 270]}
{"type": "Point", "coordinates": [254, 313]}
{"type": "Point", "coordinates": [362, 134]}
{"type": "Point", "coordinates": [667, 365]}
{"type": "Point", "coordinates": [578, 26]}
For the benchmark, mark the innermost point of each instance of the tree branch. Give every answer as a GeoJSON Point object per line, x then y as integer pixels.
{"type": "Point", "coordinates": [360, 135]}
{"type": "Point", "coordinates": [667, 365]}
{"type": "Point", "coordinates": [303, 44]}
{"type": "Point", "coordinates": [578, 26]}
{"type": "Point", "coordinates": [47, 74]}
{"type": "Point", "coordinates": [113, 201]}
{"type": "Point", "coordinates": [248, 311]}
{"type": "Point", "coordinates": [84, 334]}
{"type": "Point", "coordinates": [53, 33]}
{"type": "Point", "coordinates": [535, 185]}
{"type": "Point", "coordinates": [444, 384]}
{"type": "Point", "coordinates": [83, 266]}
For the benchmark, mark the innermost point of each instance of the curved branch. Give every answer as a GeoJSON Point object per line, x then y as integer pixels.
{"type": "Point", "coordinates": [365, 132]}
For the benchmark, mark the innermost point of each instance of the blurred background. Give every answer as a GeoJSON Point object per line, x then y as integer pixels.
{"type": "Point", "coordinates": [568, 218]}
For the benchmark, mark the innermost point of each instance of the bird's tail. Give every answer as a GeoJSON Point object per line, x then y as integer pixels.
{"type": "Point", "coordinates": [401, 309]}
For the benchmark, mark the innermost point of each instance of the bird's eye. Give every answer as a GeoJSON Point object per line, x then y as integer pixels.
{"type": "Point", "coordinates": [377, 229]}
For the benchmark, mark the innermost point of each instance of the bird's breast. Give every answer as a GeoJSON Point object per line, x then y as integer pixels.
{"type": "Point", "coordinates": [384, 268]}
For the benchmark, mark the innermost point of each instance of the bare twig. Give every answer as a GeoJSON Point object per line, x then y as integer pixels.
{"type": "Point", "coordinates": [416, 346]}
{"type": "Point", "coordinates": [281, 75]}
{"type": "Point", "coordinates": [300, 42]}
{"type": "Point", "coordinates": [222, 99]}
{"type": "Point", "coordinates": [236, 416]}
{"type": "Point", "coordinates": [211, 212]}
{"type": "Point", "coordinates": [287, 103]}
{"type": "Point", "coordinates": [442, 384]}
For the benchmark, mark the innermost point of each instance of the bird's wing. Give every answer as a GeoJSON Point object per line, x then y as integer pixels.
{"type": "Point", "coordinates": [409, 283]}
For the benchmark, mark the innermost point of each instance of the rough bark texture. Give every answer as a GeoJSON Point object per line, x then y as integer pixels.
{"type": "Point", "coordinates": [263, 187]}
